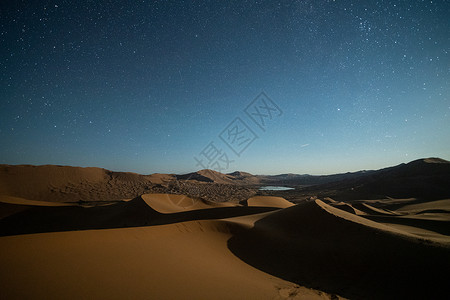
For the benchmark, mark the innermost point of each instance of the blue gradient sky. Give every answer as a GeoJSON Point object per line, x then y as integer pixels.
{"type": "Point", "coordinates": [145, 87]}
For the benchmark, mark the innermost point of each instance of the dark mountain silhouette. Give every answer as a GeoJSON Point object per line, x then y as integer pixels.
{"type": "Point", "coordinates": [424, 179]}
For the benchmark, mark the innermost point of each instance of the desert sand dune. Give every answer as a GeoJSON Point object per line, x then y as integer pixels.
{"type": "Point", "coordinates": [370, 210]}
{"type": "Point", "coordinates": [349, 208]}
{"type": "Point", "coordinates": [207, 175]}
{"type": "Point", "coordinates": [95, 185]}
{"type": "Point", "coordinates": [7, 209]}
{"type": "Point", "coordinates": [169, 203]}
{"type": "Point", "coordinates": [86, 233]}
{"type": "Point", "coordinates": [311, 245]}
{"type": "Point", "coordinates": [420, 232]}
{"type": "Point", "coordinates": [137, 212]}
{"type": "Point", "coordinates": [39, 218]}
{"type": "Point", "coordinates": [23, 201]}
{"type": "Point", "coordinates": [361, 207]}
{"type": "Point", "coordinates": [430, 219]}
{"type": "Point", "coordinates": [11, 205]}
{"type": "Point", "coordinates": [316, 245]}
{"type": "Point", "coordinates": [72, 184]}
{"type": "Point", "coordinates": [329, 200]}
{"type": "Point", "coordinates": [158, 178]}
{"type": "Point", "coordinates": [269, 202]}
{"type": "Point", "coordinates": [34, 182]}
{"type": "Point", "coordinates": [384, 222]}
{"type": "Point", "coordinates": [188, 260]}
{"type": "Point", "coordinates": [441, 205]}
{"type": "Point", "coordinates": [248, 221]}
{"type": "Point", "coordinates": [438, 224]}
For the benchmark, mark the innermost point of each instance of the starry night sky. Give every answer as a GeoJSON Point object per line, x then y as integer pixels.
{"type": "Point", "coordinates": [146, 86]}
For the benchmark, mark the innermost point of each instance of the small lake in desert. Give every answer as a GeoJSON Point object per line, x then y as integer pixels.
{"type": "Point", "coordinates": [275, 188]}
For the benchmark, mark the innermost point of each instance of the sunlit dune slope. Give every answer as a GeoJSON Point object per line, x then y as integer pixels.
{"type": "Point", "coordinates": [269, 202]}
{"type": "Point", "coordinates": [169, 203]}
{"type": "Point", "coordinates": [188, 260]}
{"type": "Point", "coordinates": [72, 184]}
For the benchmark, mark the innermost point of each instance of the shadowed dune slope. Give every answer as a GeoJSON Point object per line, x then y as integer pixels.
{"type": "Point", "coordinates": [10, 205]}
{"type": "Point", "coordinates": [312, 244]}
{"type": "Point", "coordinates": [23, 201]}
{"type": "Point", "coordinates": [137, 212]}
{"type": "Point", "coordinates": [429, 219]}
{"type": "Point", "coordinates": [368, 209]}
{"type": "Point", "coordinates": [435, 230]}
{"type": "Point", "coordinates": [439, 205]}
{"type": "Point", "coordinates": [426, 179]}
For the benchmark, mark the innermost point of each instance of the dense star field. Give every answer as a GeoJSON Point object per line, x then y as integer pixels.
{"type": "Point", "coordinates": [155, 86]}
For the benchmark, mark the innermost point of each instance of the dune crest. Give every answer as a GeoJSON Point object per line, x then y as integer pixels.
{"type": "Point", "coordinates": [23, 201]}
{"type": "Point", "coordinates": [269, 201]}
{"type": "Point", "coordinates": [171, 203]}
{"type": "Point", "coordinates": [362, 221]}
{"type": "Point", "coordinates": [316, 245]}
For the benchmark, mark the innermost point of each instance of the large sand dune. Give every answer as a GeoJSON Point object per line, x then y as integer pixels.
{"type": "Point", "coordinates": [188, 260]}
{"type": "Point", "coordinates": [181, 261]}
{"type": "Point", "coordinates": [75, 184]}
{"type": "Point", "coordinates": [157, 245]}
{"type": "Point", "coordinates": [145, 210]}
{"type": "Point", "coordinates": [318, 245]}
{"type": "Point", "coordinates": [220, 251]}
{"type": "Point", "coordinates": [168, 203]}
{"type": "Point", "coordinates": [268, 201]}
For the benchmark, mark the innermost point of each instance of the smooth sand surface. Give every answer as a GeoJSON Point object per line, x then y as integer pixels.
{"type": "Point", "coordinates": [188, 260]}
{"type": "Point", "coordinates": [441, 205]}
{"type": "Point", "coordinates": [169, 203]}
{"type": "Point", "coordinates": [195, 249]}
{"type": "Point", "coordinates": [269, 201]}
{"type": "Point", "coordinates": [35, 182]}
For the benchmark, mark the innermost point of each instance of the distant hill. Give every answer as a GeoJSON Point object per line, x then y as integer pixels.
{"type": "Point", "coordinates": [207, 175]}
{"type": "Point", "coordinates": [427, 178]}
{"type": "Point", "coordinates": [71, 184]}
{"type": "Point", "coordinates": [245, 178]}
{"type": "Point", "coordinates": [423, 178]}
